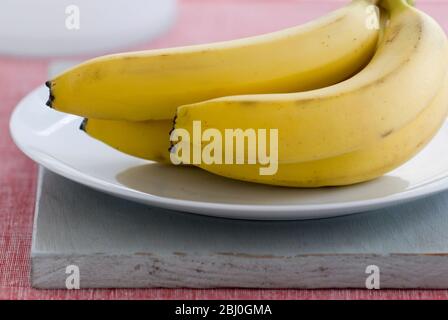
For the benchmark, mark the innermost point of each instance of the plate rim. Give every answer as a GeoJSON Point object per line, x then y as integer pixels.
{"type": "Point", "coordinates": [223, 210]}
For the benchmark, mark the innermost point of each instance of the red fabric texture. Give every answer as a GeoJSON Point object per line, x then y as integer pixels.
{"type": "Point", "coordinates": [198, 21]}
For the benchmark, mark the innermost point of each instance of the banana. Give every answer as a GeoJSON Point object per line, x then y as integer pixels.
{"type": "Point", "coordinates": [355, 167]}
{"type": "Point", "coordinates": [141, 139]}
{"type": "Point", "coordinates": [403, 77]}
{"type": "Point", "coordinates": [150, 85]}
{"type": "Point", "coordinates": [146, 139]}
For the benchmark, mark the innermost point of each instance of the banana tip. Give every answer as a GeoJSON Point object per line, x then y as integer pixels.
{"type": "Point", "coordinates": [83, 125]}
{"type": "Point", "coordinates": [172, 144]}
{"type": "Point", "coordinates": [50, 100]}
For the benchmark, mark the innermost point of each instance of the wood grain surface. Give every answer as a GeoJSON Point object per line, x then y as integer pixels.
{"type": "Point", "coordinates": [118, 243]}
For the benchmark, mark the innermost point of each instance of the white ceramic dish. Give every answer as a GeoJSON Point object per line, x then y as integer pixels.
{"type": "Point", "coordinates": [51, 28]}
{"type": "Point", "coordinates": [54, 140]}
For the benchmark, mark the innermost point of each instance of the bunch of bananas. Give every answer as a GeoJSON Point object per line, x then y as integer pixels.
{"type": "Point", "coordinates": [350, 101]}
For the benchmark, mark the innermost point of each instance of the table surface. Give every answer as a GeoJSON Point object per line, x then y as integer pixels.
{"type": "Point", "coordinates": [198, 21]}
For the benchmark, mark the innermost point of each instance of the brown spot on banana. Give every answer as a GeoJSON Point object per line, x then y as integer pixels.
{"type": "Point", "coordinates": [387, 133]}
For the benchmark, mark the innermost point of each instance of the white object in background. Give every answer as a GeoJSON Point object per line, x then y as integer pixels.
{"type": "Point", "coordinates": [52, 139]}
{"type": "Point", "coordinates": [71, 27]}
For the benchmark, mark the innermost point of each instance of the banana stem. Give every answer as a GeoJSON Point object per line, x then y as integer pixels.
{"type": "Point", "coordinates": [396, 5]}
{"type": "Point", "coordinates": [382, 2]}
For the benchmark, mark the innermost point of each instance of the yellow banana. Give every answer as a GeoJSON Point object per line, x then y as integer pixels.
{"type": "Point", "coordinates": [358, 166]}
{"type": "Point", "coordinates": [143, 140]}
{"type": "Point", "coordinates": [149, 140]}
{"type": "Point", "coordinates": [150, 85]}
{"type": "Point", "coordinates": [401, 80]}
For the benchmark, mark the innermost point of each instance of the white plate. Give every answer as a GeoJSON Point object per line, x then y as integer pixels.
{"type": "Point", "coordinates": [54, 140]}
{"type": "Point", "coordinates": [44, 27]}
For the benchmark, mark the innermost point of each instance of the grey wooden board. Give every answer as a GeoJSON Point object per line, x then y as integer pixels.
{"type": "Point", "coordinates": [117, 243]}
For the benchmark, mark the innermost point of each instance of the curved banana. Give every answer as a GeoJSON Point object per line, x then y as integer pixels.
{"type": "Point", "coordinates": [403, 77]}
{"type": "Point", "coordinates": [142, 140]}
{"type": "Point", "coordinates": [355, 167]}
{"type": "Point", "coordinates": [150, 85]}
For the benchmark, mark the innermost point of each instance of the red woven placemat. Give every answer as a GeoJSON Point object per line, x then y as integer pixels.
{"type": "Point", "coordinates": [198, 21]}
